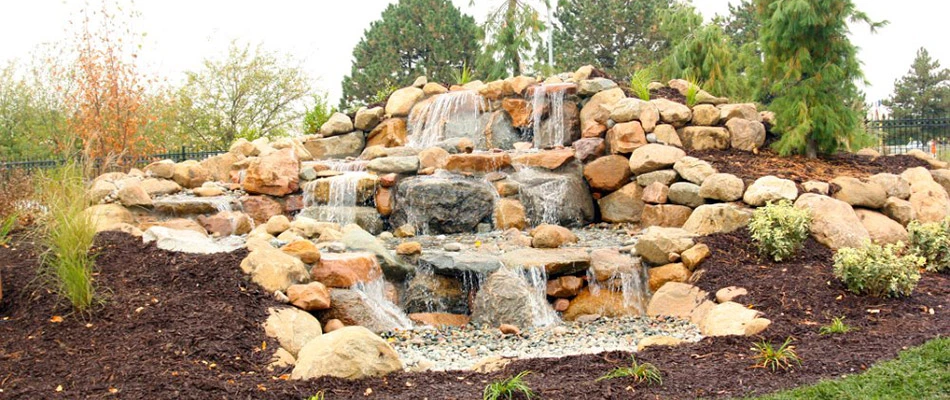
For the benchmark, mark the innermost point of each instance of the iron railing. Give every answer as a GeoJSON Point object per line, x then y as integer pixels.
{"type": "Point", "coordinates": [127, 162]}
{"type": "Point", "coordinates": [899, 136]}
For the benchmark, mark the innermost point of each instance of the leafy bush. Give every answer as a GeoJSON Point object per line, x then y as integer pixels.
{"type": "Point", "coordinates": [508, 387]}
{"type": "Point", "coordinates": [641, 373]}
{"type": "Point", "coordinates": [67, 234]}
{"type": "Point", "coordinates": [836, 326]}
{"type": "Point", "coordinates": [640, 83]}
{"type": "Point", "coordinates": [773, 358]}
{"type": "Point", "coordinates": [318, 114]}
{"type": "Point", "coordinates": [779, 229]}
{"type": "Point", "coordinates": [878, 270]}
{"type": "Point", "coordinates": [463, 75]}
{"type": "Point", "coordinates": [932, 242]}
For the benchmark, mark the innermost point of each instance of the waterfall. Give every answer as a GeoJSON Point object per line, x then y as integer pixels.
{"type": "Point", "coordinates": [343, 192]}
{"type": "Point", "coordinates": [537, 278]}
{"type": "Point", "coordinates": [635, 293]}
{"type": "Point", "coordinates": [549, 196]}
{"type": "Point", "coordinates": [553, 96]}
{"type": "Point", "coordinates": [374, 295]}
{"type": "Point", "coordinates": [461, 109]}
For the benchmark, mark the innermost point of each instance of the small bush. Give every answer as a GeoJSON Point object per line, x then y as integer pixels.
{"type": "Point", "coordinates": [463, 75]}
{"type": "Point", "coordinates": [67, 234]}
{"type": "Point", "coordinates": [837, 326]}
{"type": "Point", "coordinates": [318, 114]}
{"type": "Point", "coordinates": [779, 229]}
{"type": "Point", "coordinates": [878, 270]}
{"type": "Point", "coordinates": [932, 242]}
{"type": "Point", "coordinates": [642, 373]}
{"type": "Point", "coordinates": [507, 388]}
{"type": "Point", "coordinates": [640, 83]}
{"type": "Point", "coordinates": [774, 358]}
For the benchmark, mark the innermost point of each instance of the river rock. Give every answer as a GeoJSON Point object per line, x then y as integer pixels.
{"type": "Point", "coordinates": [564, 287]}
{"type": "Point", "coordinates": [274, 270]}
{"type": "Point", "coordinates": [352, 352]}
{"type": "Point", "coordinates": [190, 174]}
{"type": "Point", "coordinates": [881, 228]}
{"type": "Point", "coordinates": [292, 328]}
{"type": "Point", "coordinates": [746, 134]}
{"type": "Point", "coordinates": [606, 303]}
{"type": "Point", "coordinates": [277, 224]}
{"type": "Point", "coordinates": [547, 236]}
{"type": "Point", "coordinates": [705, 138]}
{"type": "Point", "coordinates": [717, 218]}
{"type": "Point", "coordinates": [555, 262]}
{"type": "Point", "coordinates": [722, 187]}
{"type": "Point", "coordinates": [624, 205]}
{"type": "Point", "coordinates": [893, 185]}
{"type": "Point", "coordinates": [859, 194]}
{"type": "Point", "coordinates": [389, 133]}
{"type": "Point", "coordinates": [672, 113]}
{"type": "Point", "coordinates": [833, 222]}
{"type": "Point", "coordinates": [625, 137]}
{"type": "Point", "coordinates": [653, 157]}
{"type": "Point", "coordinates": [506, 298]}
{"type": "Point", "coordinates": [769, 189]}
{"type": "Point", "coordinates": [442, 205]}
{"type": "Point", "coordinates": [686, 194]}
{"type": "Point", "coordinates": [336, 147]}
{"type": "Point", "coordinates": [657, 243]}
{"type": "Point", "coordinates": [693, 169]}
{"type": "Point", "coordinates": [666, 215]}
{"type": "Point", "coordinates": [368, 118]}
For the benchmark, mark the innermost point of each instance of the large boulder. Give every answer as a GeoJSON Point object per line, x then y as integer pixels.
{"type": "Point", "coordinates": [608, 173]}
{"type": "Point", "coordinates": [352, 352]}
{"type": "Point", "coordinates": [310, 297]}
{"type": "Point", "coordinates": [401, 101]}
{"type": "Point", "coordinates": [680, 300]}
{"type": "Point", "coordinates": [693, 169]}
{"type": "Point", "coordinates": [368, 118]}
{"type": "Point", "coordinates": [588, 87]}
{"type": "Point", "coordinates": [554, 262]}
{"type": "Point", "coordinates": [686, 194]}
{"type": "Point", "coordinates": [722, 187]}
{"type": "Point", "coordinates": [705, 137]}
{"type": "Point", "coordinates": [930, 201]}
{"type": "Point", "coordinates": [396, 165]}
{"type": "Point", "coordinates": [510, 213]}
{"type": "Point", "coordinates": [338, 123]}
{"type": "Point", "coordinates": [559, 197]}
{"type": "Point", "coordinates": [336, 147]}
{"type": "Point", "coordinates": [624, 205]}
{"type": "Point", "coordinates": [595, 113]}
{"type": "Point", "coordinates": [429, 293]}
{"type": "Point", "coordinates": [603, 302]}
{"type": "Point", "coordinates": [367, 308]}
{"type": "Point", "coordinates": [357, 238]}
{"type": "Point", "coordinates": [274, 270]}
{"type": "Point", "coordinates": [859, 194]}
{"type": "Point", "coordinates": [653, 157]}
{"type": "Point", "coordinates": [276, 174]}
{"type": "Point", "coordinates": [134, 196]}
{"type": "Point", "coordinates": [657, 243]}
{"type": "Point", "coordinates": [717, 218]}
{"type": "Point", "coordinates": [899, 210]}
{"type": "Point", "coordinates": [634, 109]}
{"type": "Point", "coordinates": [744, 111]}
{"type": "Point", "coordinates": [345, 270]}
{"type": "Point", "coordinates": [190, 174]}
{"type": "Point", "coordinates": [389, 133]}
{"type": "Point", "coordinates": [107, 216]}
{"type": "Point", "coordinates": [158, 187]}
{"type": "Point", "coordinates": [460, 264]}
{"type": "Point", "coordinates": [746, 135]}
{"type": "Point", "coordinates": [731, 318]}
{"type": "Point", "coordinates": [442, 205]}
{"type": "Point", "coordinates": [833, 222]}
{"type": "Point", "coordinates": [893, 185]}
{"type": "Point", "coordinates": [705, 115]}
{"type": "Point", "coordinates": [219, 167]}
{"type": "Point", "coordinates": [506, 298]}
{"type": "Point", "coordinates": [189, 241]}
{"type": "Point", "coordinates": [769, 189]}
{"type": "Point", "coordinates": [674, 272]}
{"type": "Point", "coordinates": [625, 137]}
{"type": "Point", "coordinates": [293, 328]}
{"type": "Point", "coordinates": [881, 228]}
{"type": "Point", "coordinates": [673, 113]}
{"type": "Point", "coordinates": [668, 215]}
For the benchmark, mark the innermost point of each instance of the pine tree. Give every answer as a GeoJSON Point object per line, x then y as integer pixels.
{"type": "Point", "coordinates": [924, 92]}
{"type": "Point", "coordinates": [741, 24]}
{"type": "Point", "coordinates": [512, 31]}
{"type": "Point", "coordinates": [412, 38]}
{"type": "Point", "coordinates": [812, 68]}
{"type": "Point", "coordinates": [618, 36]}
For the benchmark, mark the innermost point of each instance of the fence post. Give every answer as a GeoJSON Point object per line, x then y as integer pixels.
{"type": "Point", "coordinates": [182, 154]}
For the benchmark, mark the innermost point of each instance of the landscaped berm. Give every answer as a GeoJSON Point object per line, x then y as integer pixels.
{"type": "Point", "coordinates": [556, 239]}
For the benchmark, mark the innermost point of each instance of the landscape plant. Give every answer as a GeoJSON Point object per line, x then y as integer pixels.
{"type": "Point", "coordinates": [640, 83]}
{"type": "Point", "coordinates": [931, 241]}
{"type": "Point", "coordinates": [67, 234]}
{"type": "Point", "coordinates": [879, 271]}
{"type": "Point", "coordinates": [6, 228]}
{"type": "Point", "coordinates": [507, 388]}
{"type": "Point", "coordinates": [640, 372]}
{"type": "Point", "coordinates": [318, 114]}
{"type": "Point", "coordinates": [779, 229]}
{"type": "Point", "coordinates": [773, 358]}
{"type": "Point", "coordinates": [837, 326]}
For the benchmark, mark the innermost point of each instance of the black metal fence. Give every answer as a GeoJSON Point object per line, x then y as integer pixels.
{"type": "Point", "coordinates": [113, 163]}
{"type": "Point", "coordinates": [899, 136]}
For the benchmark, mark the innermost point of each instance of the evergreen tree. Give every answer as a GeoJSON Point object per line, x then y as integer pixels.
{"type": "Point", "coordinates": [812, 67]}
{"type": "Point", "coordinates": [924, 92]}
{"type": "Point", "coordinates": [618, 36]}
{"type": "Point", "coordinates": [741, 24]}
{"type": "Point", "coordinates": [512, 31]}
{"type": "Point", "coordinates": [413, 38]}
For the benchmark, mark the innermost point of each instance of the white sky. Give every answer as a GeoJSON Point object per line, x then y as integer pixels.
{"type": "Point", "coordinates": [323, 32]}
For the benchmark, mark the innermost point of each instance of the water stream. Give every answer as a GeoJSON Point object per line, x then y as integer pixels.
{"type": "Point", "coordinates": [544, 315]}
{"type": "Point", "coordinates": [550, 96]}
{"type": "Point", "coordinates": [454, 114]}
{"type": "Point", "coordinates": [343, 192]}
{"type": "Point", "coordinates": [374, 295]}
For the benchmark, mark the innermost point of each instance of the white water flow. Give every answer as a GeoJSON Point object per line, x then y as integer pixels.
{"type": "Point", "coordinates": [427, 124]}
{"type": "Point", "coordinates": [549, 197]}
{"type": "Point", "coordinates": [543, 314]}
{"type": "Point", "coordinates": [631, 286]}
{"type": "Point", "coordinates": [343, 192]}
{"type": "Point", "coordinates": [551, 96]}
{"type": "Point", "coordinates": [374, 294]}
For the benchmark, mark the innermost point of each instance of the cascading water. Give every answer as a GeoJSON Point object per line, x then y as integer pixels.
{"type": "Point", "coordinates": [544, 315]}
{"type": "Point", "coordinates": [343, 192]}
{"type": "Point", "coordinates": [635, 293]}
{"type": "Point", "coordinates": [374, 295]}
{"type": "Point", "coordinates": [549, 197]}
{"type": "Point", "coordinates": [552, 97]}
{"type": "Point", "coordinates": [452, 114]}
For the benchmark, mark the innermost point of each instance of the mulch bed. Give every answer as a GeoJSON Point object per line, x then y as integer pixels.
{"type": "Point", "coordinates": [799, 169]}
{"type": "Point", "coordinates": [186, 326]}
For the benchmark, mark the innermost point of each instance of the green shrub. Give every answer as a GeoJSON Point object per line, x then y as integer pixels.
{"type": "Point", "coordinates": [640, 83]}
{"type": "Point", "coordinates": [507, 388]}
{"type": "Point", "coordinates": [318, 114]}
{"type": "Point", "coordinates": [462, 75]}
{"type": "Point", "coordinates": [67, 234]}
{"type": "Point", "coordinates": [878, 270]}
{"type": "Point", "coordinates": [641, 373]}
{"type": "Point", "coordinates": [773, 358]}
{"type": "Point", "coordinates": [932, 242]}
{"type": "Point", "coordinates": [779, 229]}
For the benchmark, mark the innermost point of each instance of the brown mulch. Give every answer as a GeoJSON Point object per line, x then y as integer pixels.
{"type": "Point", "coordinates": [749, 166]}
{"type": "Point", "coordinates": [186, 326]}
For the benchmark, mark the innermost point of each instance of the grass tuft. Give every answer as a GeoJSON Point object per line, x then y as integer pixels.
{"type": "Point", "coordinates": [641, 373]}
{"type": "Point", "coordinates": [640, 83]}
{"type": "Point", "coordinates": [508, 388]}
{"type": "Point", "coordinates": [837, 326]}
{"type": "Point", "coordinates": [6, 228]}
{"type": "Point", "coordinates": [773, 358]}
{"type": "Point", "coordinates": [317, 396]}
{"type": "Point", "coordinates": [67, 234]}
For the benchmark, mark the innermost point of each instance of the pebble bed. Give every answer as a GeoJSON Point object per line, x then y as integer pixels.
{"type": "Point", "coordinates": [448, 348]}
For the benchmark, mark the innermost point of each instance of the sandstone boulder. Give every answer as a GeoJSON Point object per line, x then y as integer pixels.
{"type": "Point", "coordinates": [769, 189]}
{"type": "Point", "coordinates": [608, 173]}
{"type": "Point", "coordinates": [292, 328]}
{"type": "Point", "coordinates": [833, 222]}
{"type": "Point", "coordinates": [352, 352]}
{"type": "Point", "coordinates": [654, 157]}
{"type": "Point", "coordinates": [722, 187]}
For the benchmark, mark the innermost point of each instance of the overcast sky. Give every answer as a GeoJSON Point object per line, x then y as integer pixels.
{"type": "Point", "coordinates": [323, 32]}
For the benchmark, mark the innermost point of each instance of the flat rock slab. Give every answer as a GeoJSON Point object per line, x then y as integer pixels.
{"type": "Point", "coordinates": [554, 261]}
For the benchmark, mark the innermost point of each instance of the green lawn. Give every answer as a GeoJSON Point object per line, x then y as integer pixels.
{"type": "Point", "coordinates": [918, 373]}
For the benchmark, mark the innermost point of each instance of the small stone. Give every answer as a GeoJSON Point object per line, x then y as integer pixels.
{"type": "Point", "coordinates": [409, 248]}
{"type": "Point", "coordinates": [730, 293]}
{"type": "Point", "coordinates": [508, 329]}
{"type": "Point", "coordinates": [332, 325]}
{"type": "Point", "coordinates": [454, 246]}
{"type": "Point", "coordinates": [560, 305]}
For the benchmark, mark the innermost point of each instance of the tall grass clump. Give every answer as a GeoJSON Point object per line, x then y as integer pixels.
{"type": "Point", "coordinates": [640, 83]}
{"type": "Point", "coordinates": [931, 241]}
{"type": "Point", "coordinates": [779, 229]}
{"type": "Point", "coordinates": [508, 388]}
{"type": "Point", "coordinates": [66, 233]}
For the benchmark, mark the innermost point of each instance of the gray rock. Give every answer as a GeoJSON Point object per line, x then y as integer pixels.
{"type": "Point", "coordinates": [555, 262]}
{"type": "Point", "coordinates": [685, 194]}
{"type": "Point", "coordinates": [664, 176]}
{"type": "Point", "coordinates": [433, 293]}
{"type": "Point", "coordinates": [494, 125]}
{"type": "Point", "coordinates": [460, 264]}
{"type": "Point", "coordinates": [436, 204]}
{"type": "Point", "coordinates": [395, 165]}
{"type": "Point", "coordinates": [506, 298]}
{"type": "Point", "coordinates": [559, 197]}
{"type": "Point", "coordinates": [336, 147]}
